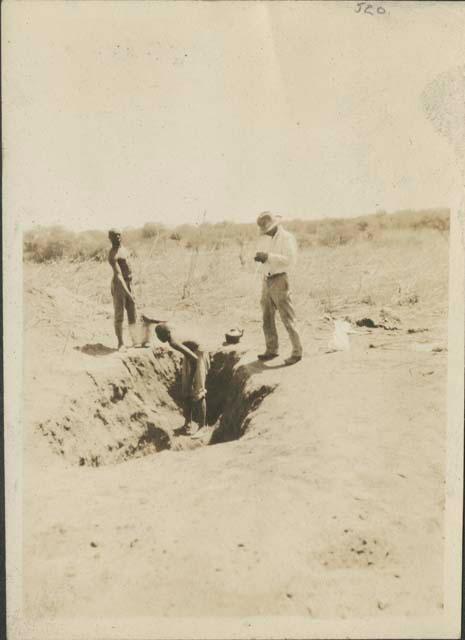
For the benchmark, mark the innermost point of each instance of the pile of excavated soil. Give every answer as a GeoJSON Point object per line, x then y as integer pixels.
{"type": "Point", "coordinates": [129, 405]}
{"type": "Point", "coordinates": [331, 504]}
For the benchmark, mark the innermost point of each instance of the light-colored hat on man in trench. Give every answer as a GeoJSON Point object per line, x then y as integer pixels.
{"type": "Point", "coordinates": [267, 221]}
{"type": "Point", "coordinates": [114, 231]}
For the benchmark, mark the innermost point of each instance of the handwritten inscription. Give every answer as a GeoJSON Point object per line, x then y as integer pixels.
{"type": "Point", "coordinates": [369, 9]}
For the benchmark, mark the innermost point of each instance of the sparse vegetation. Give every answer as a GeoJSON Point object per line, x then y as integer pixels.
{"type": "Point", "coordinates": [50, 244]}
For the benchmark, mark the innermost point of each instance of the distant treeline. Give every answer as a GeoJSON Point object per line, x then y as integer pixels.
{"type": "Point", "coordinates": [48, 244]}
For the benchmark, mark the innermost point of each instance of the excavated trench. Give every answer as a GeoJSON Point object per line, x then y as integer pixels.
{"type": "Point", "coordinates": [131, 406]}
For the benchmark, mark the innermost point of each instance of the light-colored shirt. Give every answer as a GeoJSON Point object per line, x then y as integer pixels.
{"type": "Point", "coordinates": [282, 253]}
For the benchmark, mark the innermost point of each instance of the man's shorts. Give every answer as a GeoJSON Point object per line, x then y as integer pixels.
{"type": "Point", "coordinates": [121, 302]}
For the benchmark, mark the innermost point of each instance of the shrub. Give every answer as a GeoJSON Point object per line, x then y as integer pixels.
{"type": "Point", "coordinates": [152, 230]}
{"type": "Point", "coordinates": [90, 245]}
{"type": "Point", "coordinates": [46, 244]}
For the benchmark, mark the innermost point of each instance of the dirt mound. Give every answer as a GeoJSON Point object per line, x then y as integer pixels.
{"type": "Point", "coordinates": [331, 503]}
{"type": "Point", "coordinates": [116, 407]}
{"type": "Point", "coordinates": [129, 405]}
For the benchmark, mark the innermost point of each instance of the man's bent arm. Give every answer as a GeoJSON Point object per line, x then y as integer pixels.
{"type": "Point", "coordinates": [178, 346]}
{"type": "Point", "coordinates": [284, 259]}
{"type": "Point", "coordinates": [277, 260]}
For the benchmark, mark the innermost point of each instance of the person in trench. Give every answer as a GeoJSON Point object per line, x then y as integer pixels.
{"type": "Point", "coordinates": [196, 364]}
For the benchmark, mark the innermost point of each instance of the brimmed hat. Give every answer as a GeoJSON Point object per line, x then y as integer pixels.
{"type": "Point", "coordinates": [267, 221]}
{"type": "Point", "coordinates": [114, 231]}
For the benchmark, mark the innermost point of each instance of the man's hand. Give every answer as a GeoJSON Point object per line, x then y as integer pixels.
{"type": "Point", "coordinates": [261, 256]}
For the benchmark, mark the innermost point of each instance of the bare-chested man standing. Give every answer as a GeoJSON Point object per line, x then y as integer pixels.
{"type": "Point", "coordinates": [123, 297]}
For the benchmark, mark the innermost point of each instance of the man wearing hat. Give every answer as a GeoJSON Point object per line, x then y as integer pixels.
{"type": "Point", "coordinates": [121, 287]}
{"type": "Point", "coordinates": [276, 262]}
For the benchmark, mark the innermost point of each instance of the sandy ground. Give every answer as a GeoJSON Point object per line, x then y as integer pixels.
{"type": "Point", "coordinates": [330, 506]}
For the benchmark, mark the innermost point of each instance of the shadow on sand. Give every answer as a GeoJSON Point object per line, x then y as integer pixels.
{"type": "Point", "coordinates": [97, 349]}
{"type": "Point", "coordinates": [258, 366]}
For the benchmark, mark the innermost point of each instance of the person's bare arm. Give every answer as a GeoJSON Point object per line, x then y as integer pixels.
{"type": "Point", "coordinates": [178, 346]}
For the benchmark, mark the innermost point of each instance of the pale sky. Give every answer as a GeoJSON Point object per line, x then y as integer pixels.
{"type": "Point", "coordinates": [120, 113]}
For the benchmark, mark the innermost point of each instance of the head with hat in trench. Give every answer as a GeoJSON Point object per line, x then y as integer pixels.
{"type": "Point", "coordinates": [163, 332]}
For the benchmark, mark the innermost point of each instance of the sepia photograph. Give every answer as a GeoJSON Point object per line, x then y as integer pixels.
{"type": "Point", "coordinates": [233, 238]}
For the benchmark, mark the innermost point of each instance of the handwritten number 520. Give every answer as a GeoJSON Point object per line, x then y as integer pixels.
{"type": "Point", "coordinates": [365, 7]}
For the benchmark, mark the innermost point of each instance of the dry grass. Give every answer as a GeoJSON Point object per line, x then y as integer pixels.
{"type": "Point", "coordinates": [47, 244]}
{"type": "Point", "coordinates": [405, 270]}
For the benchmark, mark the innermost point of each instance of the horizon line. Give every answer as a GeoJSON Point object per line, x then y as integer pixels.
{"type": "Point", "coordinates": [284, 219]}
